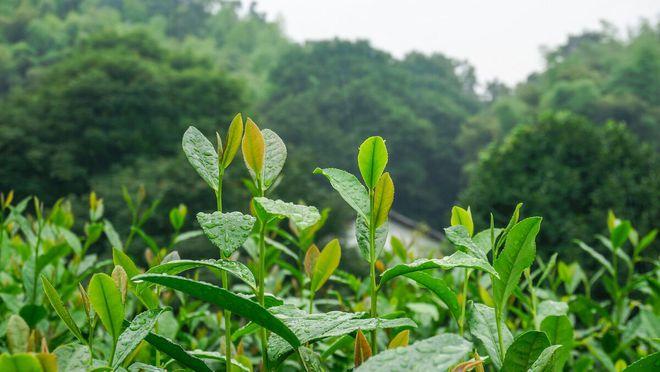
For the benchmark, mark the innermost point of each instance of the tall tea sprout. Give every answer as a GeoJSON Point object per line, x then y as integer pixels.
{"type": "Point", "coordinates": [264, 154]}
{"type": "Point", "coordinates": [372, 204]}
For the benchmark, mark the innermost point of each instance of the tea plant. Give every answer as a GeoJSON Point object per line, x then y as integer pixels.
{"type": "Point", "coordinates": [271, 299]}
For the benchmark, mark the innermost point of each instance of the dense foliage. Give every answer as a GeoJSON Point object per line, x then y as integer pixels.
{"type": "Point", "coordinates": [274, 301]}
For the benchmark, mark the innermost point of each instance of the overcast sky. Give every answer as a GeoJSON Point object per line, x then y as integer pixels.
{"type": "Point", "coordinates": [502, 38]}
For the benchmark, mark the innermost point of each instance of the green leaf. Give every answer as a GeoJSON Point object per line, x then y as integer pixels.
{"type": "Point", "coordinates": [517, 255]}
{"type": "Point", "coordinates": [21, 362]}
{"type": "Point", "coordinates": [253, 149]}
{"type": "Point", "coordinates": [459, 236]}
{"type": "Point", "coordinates": [597, 256]}
{"type": "Point", "coordinates": [202, 156]}
{"type": "Point", "coordinates": [310, 360]}
{"type": "Point", "coordinates": [112, 235]}
{"type": "Point", "coordinates": [275, 156]}
{"type": "Point", "coordinates": [483, 242]}
{"type": "Point", "coordinates": [383, 198]}
{"type": "Point", "coordinates": [457, 259]}
{"type": "Point", "coordinates": [225, 300]}
{"type": "Point", "coordinates": [362, 236]}
{"type": "Point", "coordinates": [551, 308]}
{"type": "Point", "coordinates": [106, 300]}
{"type": "Point", "coordinates": [303, 216]}
{"type": "Point", "coordinates": [176, 352]}
{"type": "Point", "coordinates": [549, 360]}
{"type": "Point", "coordinates": [18, 333]}
{"type": "Point", "coordinates": [326, 264]}
{"type": "Point", "coordinates": [646, 241]}
{"type": "Point", "coordinates": [349, 188]}
{"type": "Point", "coordinates": [141, 367]}
{"type": "Point", "coordinates": [462, 217]}
{"type": "Point", "coordinates": [524, 350]}
{"type": "Point", "coordinates": [481, 322]}
{"type": "Point", "coordinates": [236, 268]}
{"type": "Point", "coordinates": [72, 357]}
{"type": "Point", "coordinates": [372, 159]}
{"type": "Point", "coordinates": [648, 363]}
{"type": "Point", "coordinates": [314, 327]}
{"type": "Point", "coordinates": [227, 231]}
{"type": "Point", "coordinates": [440, 289]}
{"type": "Point", "coordinates": [214, 355]}
{"type": "Point", "coordinates": [619, 234]}
{"type": "Point", "coordinates": [131, 337]}
{"type": "Point", "coordinates": [148, 298]}
{"type": "Point", "coordinates": [61, 311]}
{"type": "Point", "coordinates": [560, 332]}
{"type": "Point", "coordinates": [233, 141]}
{"type": "Point", "coordinates": [438, 353]}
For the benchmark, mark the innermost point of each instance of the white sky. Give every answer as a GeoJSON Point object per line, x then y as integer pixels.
{"type": "Point", "coordinates": [501, 38]}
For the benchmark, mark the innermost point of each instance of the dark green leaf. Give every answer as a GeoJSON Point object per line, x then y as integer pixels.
{"type": "Point", "coordinates": [131, 337]}
{"type": "Point", "coordinates": [440, 289]}
{"type": "Point", "coordinates": [202, 156]}
{"type": "Point", "coordinates": [176, 352]}
{"type": "Point", "coordinates": [227, 231]}
{"type": "Point", "coordinates": [236, 268]}
{"type": "Point", "coordinates": [350, 189]}
{"type": "Point", "coordinates": [483, 326]}
{"type": "Point", "coordinates": [524, 350]}
{"type": "Point", "coordinates": [60, 309]}
{"type": "Point", "coordinates": [303, 216]}
{"type": "Point", "coordinates": [457, 259]}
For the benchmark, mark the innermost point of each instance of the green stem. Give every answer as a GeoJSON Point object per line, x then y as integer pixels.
{"type": "Point", "coordinates": [372, 271]}
{"type": "Point", "coordinates": [617, 295]}
{"type": "Point", "coordinates": [461, 323]}
{"type": "Point", "coordinates": [36, 256]}
{"type": "Point", "coordinates": [500, 339]}
{"type": "Point", "coordinates": [225, 278]}
{"type": "Point", "coordinates": [260, 295]}
{"type": "Point", "coordinates": [311, 299]}
{"type": "Point", "coordinates": [532, 292]}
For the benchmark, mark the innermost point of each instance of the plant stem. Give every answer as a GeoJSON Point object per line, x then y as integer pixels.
{"type": "Point", "coordinates": [225, 279]}
{"type": "Point", "coordinates": [311, 299]}
{"type": "Point", "coordinates": [498, 320]}
{"type": "Point", "coordinates": [260, 295]}
{"type": "Point", "coordinates": [372, 271]}
{"type": "Point", "coordinates": [461, 323]}
{"type": "Point", "coordinates": [532, 292]}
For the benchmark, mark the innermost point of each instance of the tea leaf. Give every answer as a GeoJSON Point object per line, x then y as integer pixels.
{"type": "Point", "coordinates": [326, 264]}
{"type": "Point", "coordinates": [401, 339]}
{"type": "Point", "coordinates": [19, 362]}
{"type": "Point", "coordinates": [148, 298]}
{"type": "Point", "coordinates": [233, 141]}
{"type": "Point", "coordinates": [438, 353]}
{"type": "Point", "coordinates": [383, 198]}
{"type": "Point", "coordinates": [176, 352]}
{"type": "Point", "coordinates": [646, 241]}
{"type": "Point", "coordinates": [597, 256]}
{"type": "Point", "coordinates": [483, 326]}
{"type": "Point", "coordinates": [131, 337]}
{"type": "Point", "coordinates": [459, 236]}
{"type": "Point", "coordinates": [551, 308]}
{"type": "Point", "coordinates": [225, 300]}
{"type": "Point", "coordinates": [362, 349]}
{"type": "Point", "coordinates": [214, 355]}
{"type": "Point", "coordinates": [106, 301]}
{"type": "Point", "coordinates": [349, 188]}
{"type": "Point", "coordinates": [517, 255]}
{"type": "Point", "coordinates": [524, 350]}
{"type": "Point", "coordinates": [121, 280]}
{"type": "Point", "coordinates": [18, 333]}
{"type": "Point", "coordinates": [311, 256]}
{"type": "Point", "coordinates": [548, 361]}
{"type": "Point", "coordinates": [372, 159]}
{"type": "Point", "coordinates": [253, 149]}
{"type": "Point", "coordinates": [460, 216]}
{"type": "Point", "coordinates": [62, 312]}
{"type": "Point", "coordinates": [202, 156]}
{"type": "Point", "coordinates": [236, 268]}
{"type": "Point", "coordinates": [648, 363]}
{"type": "Point", "coordinates": [227, 231]}
{"type": "Point", "coordinates": [439, 288]}
{"type": "Point", "coordinates": [362, 236]}
{"type": "Point", "coordinates": [72, 357]}
{"type": "Point", "coordinates": [302, 216]}
{"type": "Point", "coordinates": [275, 156]}
{"type": "Point", "coordinates": [560, 332]}
{"type": "Point", "coordinates": [620, 233]}
{"type": "Point", "coordinates": [310, 360]}
{"type": "Point", "coordinates": [457, 259]}
{"type": "Point", "coordinates": [399, 249]}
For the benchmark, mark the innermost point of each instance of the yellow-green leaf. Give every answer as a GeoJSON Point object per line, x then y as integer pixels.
{"type": "Point", "coordinates": [106, 301]}
{"type": "Point", "coordinates": [362, 349]}
{"type": "Point", "coordinates": [18, 333]}
{"type": "Point", "coordinates": [372, 159]}
{"type": "Point", "coordinates": [233, 141]}
{"type": "Point", "coordinates": [383, 198]}
{"type": "Point", "coordinates": [460, 216]}
{"type": "Point", "coordinates": [400, 339]}
{"type": "Point", "coordinates": [253, 149]}
{"type": "Point", "coordinates": [311, 256]}
{"type": "Point", "coordinates": [22, 362]}
{"type": "Point", "coordinates": [326, 264]}
{"type": "Point", "coordinates": [121, 280]}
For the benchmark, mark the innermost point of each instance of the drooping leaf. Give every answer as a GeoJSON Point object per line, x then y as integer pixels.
{"type": "Point", "coordinates": [400, 340]}
{"type": "Point", "coordinates": [518, 254]}
{"type": "Point", "coordinates": [524, 351]}
{"type": "Point", "coordinates": [439, 288]}
{"type": "Point", "coordinates": [254, 148]}
{"type": "Point", "coordinates": [106, 301]}
{"type": "Point", "coordinates": [482, 324]}
{"type": "Point", "coordinates": [60, 309]}
{"type": "Point", "coordinates": [225, 300]}
{"type": "Point", "coordinates": [549, 360]}
{"type": "Point", "coordinates": [176, 352]}
{"type": "Point", "coordinates": [460, 216]}
{"type": "Point", "coordinates": [383, 198]}
{"type": "Point", "coordinates": [275, 156]}
{"type": "Point", "coordinates": [437, 353]}
{"type": "Point", "coordinates": [235, 268]}
{"type": "Point", "coordinates": [349, 188]}
{"type": "Point", "coordinates": [326, 264]}
{"type": "Point", "coordinates": [457, 259]}
{"type": "Point", "coordinates": [560, 332]}
{"type": "Point", "coordinates": [303, 216]}
{"type": "Point", "coordinates": [18, 333]}
{"type": "Point", "coordinates": [362, 236]}
{"type": "Point", "coordinates": [314, 327]}
{"type": "Point", "coordinates": [202, 156]}
{"type": "Point", "coordinates": [648, 363]}
{"type": "Point", "coordinates": [362, 349]}
{"type": "Point", "coordinates": [372, 159]}
{"type": "Point", "coordinates": [136, 331]}
{"type": "Point", "coordinates": [233, 141]}
{"type": "Point", "coordinates": [227, 231]}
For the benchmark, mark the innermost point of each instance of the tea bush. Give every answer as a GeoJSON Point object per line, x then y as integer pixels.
{"type": "Point", "coordinates": [273, 300]}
